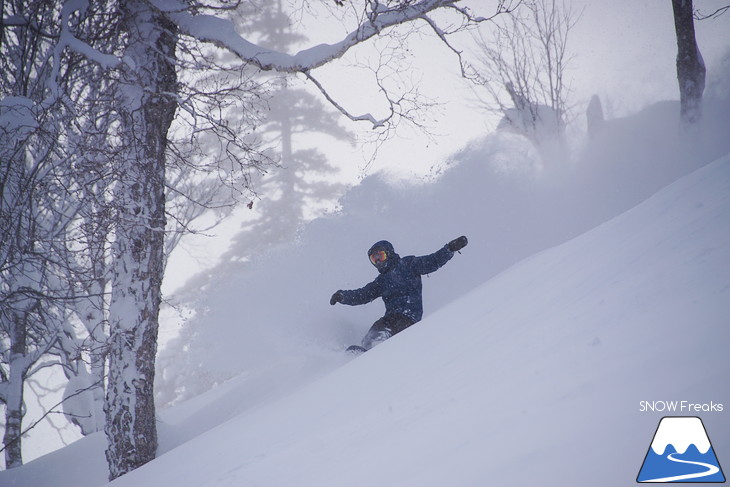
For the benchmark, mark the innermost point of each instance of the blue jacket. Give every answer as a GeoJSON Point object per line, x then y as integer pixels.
{"type": "Point", "coordinates": [399, 282]}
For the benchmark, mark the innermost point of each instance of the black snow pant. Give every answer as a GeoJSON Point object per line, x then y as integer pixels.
{"type": "Point", "coordinates": [386, 327]}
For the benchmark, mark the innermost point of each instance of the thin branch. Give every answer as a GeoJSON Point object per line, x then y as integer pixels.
{"type": "Point", "coordinates": [698, 15]}
{"type": "Point", "coordinates": [442, 35]}
{"type": "Point", "coordinates": [356, 118]}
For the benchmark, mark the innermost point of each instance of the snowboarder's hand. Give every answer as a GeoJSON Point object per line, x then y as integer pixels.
{"type": "Point", "coordinates": [457, 244]}
{"type": "Point", "coordinates": [336, 298]}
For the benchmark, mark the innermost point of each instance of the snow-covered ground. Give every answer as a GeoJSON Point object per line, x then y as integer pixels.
{"type": "Point", "coordinates": [534, 377]}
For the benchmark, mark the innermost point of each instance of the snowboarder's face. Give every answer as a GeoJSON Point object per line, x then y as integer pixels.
{"type": "Point", "coordinates": [378, 257]}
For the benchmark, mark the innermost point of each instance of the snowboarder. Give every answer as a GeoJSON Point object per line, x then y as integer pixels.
{"type": "Point", "coordinates": [399, 284]}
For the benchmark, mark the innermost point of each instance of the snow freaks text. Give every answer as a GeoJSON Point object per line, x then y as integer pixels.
{"type": "Point", "coordinates": [680, 407]}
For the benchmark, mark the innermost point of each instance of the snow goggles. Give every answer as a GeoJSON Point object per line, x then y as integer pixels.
{"type": "Point", "coordinates": [378, 257]}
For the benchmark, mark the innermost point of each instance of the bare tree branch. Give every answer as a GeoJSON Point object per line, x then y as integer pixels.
{"type": "Point", "coordinates": [355, 118]}
{"type": "Point", "coordinates": [698, 15]}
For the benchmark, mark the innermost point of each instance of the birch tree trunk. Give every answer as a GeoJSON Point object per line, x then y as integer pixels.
{"type": "Point", "coordinates": [25, 347]}
{"type": "Point", "coordinates": [13, 392]}
{"type": "Point", "coordinates": [146, 110]}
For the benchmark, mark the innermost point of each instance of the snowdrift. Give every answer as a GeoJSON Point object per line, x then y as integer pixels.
{"type": "Point", "coordinates": [533, 378]}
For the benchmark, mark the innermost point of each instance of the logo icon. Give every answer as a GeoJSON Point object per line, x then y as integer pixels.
{"type": "Point", "coordinates": [680, 452]}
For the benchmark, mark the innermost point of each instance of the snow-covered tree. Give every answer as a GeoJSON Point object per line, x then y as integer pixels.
{"type": "Point", "coordinates": [35, 218]}
{"type": "Point", "coordinates": [55, 209]}
{"type": "Point", "coordinates": [62, 161]}
{"type": "Point", "coordinates": [34, 214]}
{"type": "Point", "coordinates": [146, 103]}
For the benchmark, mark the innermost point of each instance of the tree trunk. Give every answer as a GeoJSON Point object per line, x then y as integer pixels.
{"type": "Point", "coordinates": [93, 312]}
{"type": "Point", "coordinates": [146, 111]}
{"type": "Point", "coordinates": [13, 389]}
{"type": "Point", "coordinates": [594, 117]}
{"type": "Point", "coordinates": [690, 67]}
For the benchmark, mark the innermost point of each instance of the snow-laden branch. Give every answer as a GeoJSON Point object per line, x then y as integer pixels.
{"type": "Point", "coordinates": [222, 33]}
{"type": "Point", "coordinates": [68, 40]}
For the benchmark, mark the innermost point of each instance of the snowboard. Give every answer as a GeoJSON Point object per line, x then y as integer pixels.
{"type": "Point", "coordinates": [356, 349]}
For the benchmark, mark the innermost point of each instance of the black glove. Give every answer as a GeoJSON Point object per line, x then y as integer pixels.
{"type": "Point", "coordinates": [457, 244]}
{"type": "Point", "coordinates": [336, 298]}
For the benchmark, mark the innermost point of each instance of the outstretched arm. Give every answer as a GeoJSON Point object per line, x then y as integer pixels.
{"type": "Point", "coordinates": [430, 263]}
{"type": "Point", "coordinates": [354, 297]}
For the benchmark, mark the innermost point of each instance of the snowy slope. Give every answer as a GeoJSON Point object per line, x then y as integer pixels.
{"type": "Point", "coordinates": [534, 378]}
{"type": "Point", "coordinates": [271, 317]}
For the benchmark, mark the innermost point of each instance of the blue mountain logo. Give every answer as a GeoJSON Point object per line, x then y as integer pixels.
{"type": "Point", "coordinates": [681, 452]}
